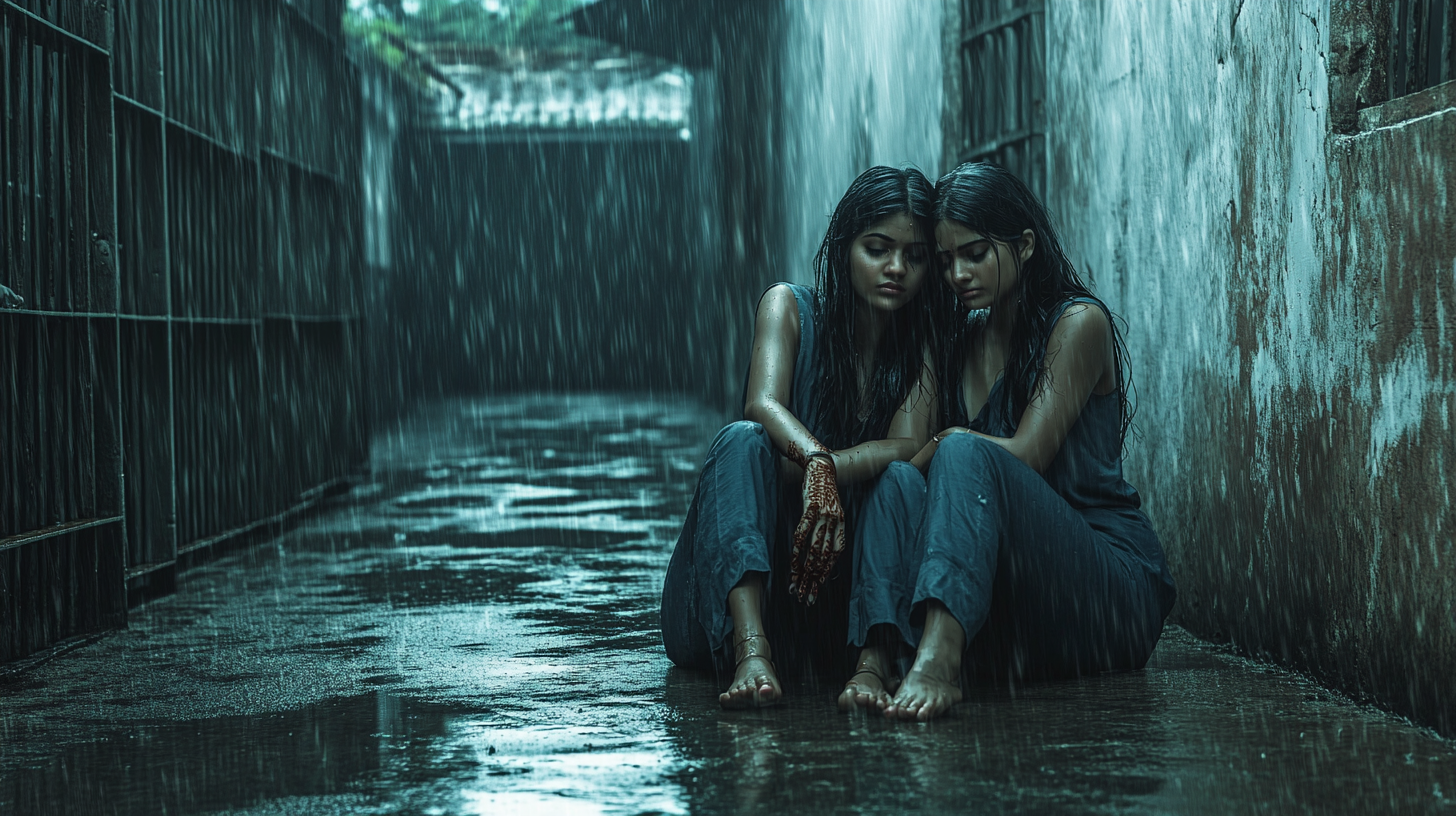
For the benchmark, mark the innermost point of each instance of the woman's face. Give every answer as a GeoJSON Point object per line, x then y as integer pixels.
{"type": "Point", "coordinates": [981, 272]}
{"type": "Point", "coordinates": [887, 263]}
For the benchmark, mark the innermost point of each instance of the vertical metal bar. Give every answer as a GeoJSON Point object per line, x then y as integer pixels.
{"type": "Point", "coordinates": [9, 425]}
{"type": "Point", "coordinates": [51, 418]}
{"type": "Point", "coordinates": [170, 361]}
{"type": "Point", "coordinates": [1449, 50]}
{"type": "Point", "coordinates": [75, 276]}
{"type": "Point", "coordinates": [24, 177]}
{"type": "Point", "coordinates": [24, 447]}
{"type": "Point", "coordinates": [1420, 35]}
{"type": "Point", "coordinates": [63, 416]}
{"type": "Point", "coordinates": [40, 500]}
{"type": "Point", "coordinates": [55, 187]}
{"type": "Point", "coordinates": [88, 455]}
{"type": "Point", "coordinates": [1399, 24]}
{"type": "Point", "coordinates": [81, 217]}
{"type": "Point", "coordinates": [179, 211]}
{"type": "Point", "coordinates": [98, 185]}
{"type": "Point", "coordinates": [1433, 38]}
{"type": "Point", "coordinates": [29, 179]}
{"type": "Point", "coordinates": [115, 472]}
{"type": "Point", "coordinates": [61, 210]}
{"type": "Point", "coordinates": [9, 155]}
{"type": "Point", "coordinates": [47, 172]}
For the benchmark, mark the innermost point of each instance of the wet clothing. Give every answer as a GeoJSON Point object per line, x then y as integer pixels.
{"type": "Point", "coordinates": [741, 520]}
{"type": "Point", "coordinates": [1051, 575]}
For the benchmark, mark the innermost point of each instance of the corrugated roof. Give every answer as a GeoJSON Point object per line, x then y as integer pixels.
{"type": "Point", "coordinates": [610, 94]}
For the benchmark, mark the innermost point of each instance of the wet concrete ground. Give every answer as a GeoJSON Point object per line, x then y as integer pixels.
{"type": "Point", "coordinates": [475, 631]}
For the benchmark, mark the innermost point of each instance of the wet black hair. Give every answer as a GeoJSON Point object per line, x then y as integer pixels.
{"type": "Point", "coordinates": [842, 414]}
{"type": "Point", "coordinates": [994, 202]}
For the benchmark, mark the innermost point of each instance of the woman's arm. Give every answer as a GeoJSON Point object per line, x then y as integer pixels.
{"type": "Point", "coordinates": [1079, 356]}
{"type": "Point", "coordinates": [819, 535]}
{"type": "Point", "coordinates": [909, 432]}
{"type": "Point", "coordinates": [771, 375]}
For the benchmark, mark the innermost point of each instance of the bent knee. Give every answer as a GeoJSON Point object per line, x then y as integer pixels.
{"type": "Point", "coordinates": [900, 492]}
{"type": "Point", "coordinates": [968, 448]}
{"type": "Point", "coordinates": [973, 449]}
{"type": "Point", "coordinates": [901, 479]}
{"type": "Point", "coordinates": [742, 433]}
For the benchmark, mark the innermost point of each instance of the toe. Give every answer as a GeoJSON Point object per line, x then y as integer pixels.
{"type": "Point", "coordinates": [910, 709]}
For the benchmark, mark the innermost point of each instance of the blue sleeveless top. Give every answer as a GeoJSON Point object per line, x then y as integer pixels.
{"type": "Point", "coordinates": [1087, 470]}
{"type": "Point", "coordinates": [806, 372]}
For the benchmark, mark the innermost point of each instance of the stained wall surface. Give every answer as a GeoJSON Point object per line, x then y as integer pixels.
{"type": "Point", "coordinates": [1289, 292]}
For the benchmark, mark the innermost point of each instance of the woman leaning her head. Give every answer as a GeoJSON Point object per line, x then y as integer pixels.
{"type": "Point", "coordinates": [1030, 555]}
{"type": "Point", "coordinates": [989, 220]}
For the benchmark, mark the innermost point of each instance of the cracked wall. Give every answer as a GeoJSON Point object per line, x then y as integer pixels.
{"type": "Point", "coordinates": [1288, 277]}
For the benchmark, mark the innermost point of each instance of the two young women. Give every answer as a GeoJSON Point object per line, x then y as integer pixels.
{"type": "Point", "coordinates": [1007, 545]}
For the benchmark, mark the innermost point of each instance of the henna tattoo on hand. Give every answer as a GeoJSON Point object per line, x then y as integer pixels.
{"type": "Point", "coordinates": [800, 457]}
{"type": "Point", "coordinates": [797, 456]}
{"type": "Point", "coordinates": [819, 537]}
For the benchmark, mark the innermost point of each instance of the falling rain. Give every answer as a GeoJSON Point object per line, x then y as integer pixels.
{"type": "Point", "coordinates": [727, 406]}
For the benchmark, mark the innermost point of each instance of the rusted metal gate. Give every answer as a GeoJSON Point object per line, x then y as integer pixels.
{"type": "Point", "coordinates": [179, 217]}
{"type": "Point", "coordinates": [996, 86]}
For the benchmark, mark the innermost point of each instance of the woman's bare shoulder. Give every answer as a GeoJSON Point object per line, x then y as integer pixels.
{"type": "Point", "coordinates": [778, 310]}
{"type": "Point", "coordinates": [1082, 323]}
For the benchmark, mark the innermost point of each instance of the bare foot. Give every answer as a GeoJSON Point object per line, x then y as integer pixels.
{"type": "Point", "coordinates": [755, 684]}
{"type": "Point", "coordinates": [868, 687]}
{"type": "Point", "coordinates": [928, 692]}
{"type": "Point", "coordinates": [865, 689]}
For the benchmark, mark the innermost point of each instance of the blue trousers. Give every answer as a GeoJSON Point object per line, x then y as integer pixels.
{"type": "Point", "coordinates": [740, 522]}
{"type": "Point", "coordinates": [1041, 589]}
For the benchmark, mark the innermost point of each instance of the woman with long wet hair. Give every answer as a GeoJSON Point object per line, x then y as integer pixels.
{"type": "Point", "coordinates": [1022, 548]}
{"type": "Point", "coordinates": [835, 393]}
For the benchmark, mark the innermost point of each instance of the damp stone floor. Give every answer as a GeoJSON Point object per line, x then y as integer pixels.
{"type": "Point", "coordinates": [473, 630]}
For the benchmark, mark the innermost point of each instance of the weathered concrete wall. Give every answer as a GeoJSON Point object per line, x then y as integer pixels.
{"type": "Point", "coordinates": [1290, 294]}
{"type": "Point", "coordinates": [862, 86]}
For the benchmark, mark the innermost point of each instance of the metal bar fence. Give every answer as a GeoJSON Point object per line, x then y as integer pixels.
{"type": "Point", "coordinates": [1423, 37]}
{"type": "Point", "coordinates": [185, 248]}
{"type": "Point", "coordinates": [1002, 68]}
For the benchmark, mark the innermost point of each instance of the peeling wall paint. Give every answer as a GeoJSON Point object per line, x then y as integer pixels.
{"type": "Point", "coordinates": [1288, 291]}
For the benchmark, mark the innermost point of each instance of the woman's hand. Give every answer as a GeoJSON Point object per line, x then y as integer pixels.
{"type": "Point", "coordinates": [921, 460]}
{"type": "Point", "coordinates": [819, 538]}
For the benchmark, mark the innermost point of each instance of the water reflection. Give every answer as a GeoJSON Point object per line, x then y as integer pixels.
{"type": "Point", "coordinates": [476, 632]}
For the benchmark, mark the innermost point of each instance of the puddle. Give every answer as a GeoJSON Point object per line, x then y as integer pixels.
{"type": "Point", "coordinates": [476, 632]}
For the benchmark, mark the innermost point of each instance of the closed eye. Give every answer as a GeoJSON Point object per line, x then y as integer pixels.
{"type": "Point", "coordinates": [976, 251]}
